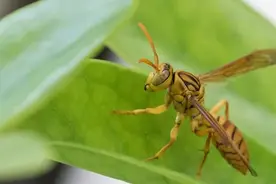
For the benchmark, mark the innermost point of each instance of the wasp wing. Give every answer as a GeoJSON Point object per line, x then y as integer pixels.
{"type": "Point", "coordinates": [250, 62]}
{"type": "Point", "coordinates": [220, 130]}
{"type": "Point", "coordinates": [213, 122]}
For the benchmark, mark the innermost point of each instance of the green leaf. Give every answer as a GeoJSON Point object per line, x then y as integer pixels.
{"type": "Point", "coordinates": [86, 134]}
{"type": "Point", "coordinates": [44, 44]}
{"type": "Point", "coordinates": [23, 155]}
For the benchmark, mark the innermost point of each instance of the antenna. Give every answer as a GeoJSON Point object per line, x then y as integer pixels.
{"type": "Point", "coordinates": [156, 59]}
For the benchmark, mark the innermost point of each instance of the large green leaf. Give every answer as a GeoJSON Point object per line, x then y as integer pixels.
{"type": "Point", "coordinates": [87, 135]}
{"type": "Point", "coordinates": [45, 42]}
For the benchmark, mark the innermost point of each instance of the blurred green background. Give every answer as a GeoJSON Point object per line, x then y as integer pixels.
{"type": "Point", "coordinates": [50, 86]}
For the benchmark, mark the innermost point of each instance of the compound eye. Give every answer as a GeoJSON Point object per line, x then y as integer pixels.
{"type": "Point", "coordinates": [150, 77]}
{"type": "Point", "coordinates": [161, 78]}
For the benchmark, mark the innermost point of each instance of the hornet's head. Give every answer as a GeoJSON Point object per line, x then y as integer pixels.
{"type": "Point", "coordinates": [161, 77]}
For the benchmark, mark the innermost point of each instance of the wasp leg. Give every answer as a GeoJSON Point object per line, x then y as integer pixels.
{"type": "Point", "coordinates": [206, 152]}
{"type": "Point", "coordinates": [218, 106]}
{"type": "Point", "coordinates": [155, 110]}
{"type": "Point", "coordinates": [173, 136]}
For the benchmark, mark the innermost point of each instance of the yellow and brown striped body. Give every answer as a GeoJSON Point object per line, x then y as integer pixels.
{"type": "Point", "coordinates": [184, 83]}
{"type": "Point", "coordinates": [228, 153]}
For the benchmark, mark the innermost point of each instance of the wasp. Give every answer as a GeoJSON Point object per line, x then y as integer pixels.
{"type": "Point", "coordinates": [186, 92]}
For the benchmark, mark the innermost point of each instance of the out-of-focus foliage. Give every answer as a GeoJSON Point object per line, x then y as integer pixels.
{"type": "Point", "coordinates": [23, 155]}
{"type": "Point", "coordinates": [191, 35]}
{"type": "Point", "coordinates": [42, 46]}
{"type": "Point", "coordinates": [45, 43]}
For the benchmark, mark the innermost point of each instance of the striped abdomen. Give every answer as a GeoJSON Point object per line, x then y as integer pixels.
{"type": "Point", "coordinates": [229, 154]}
